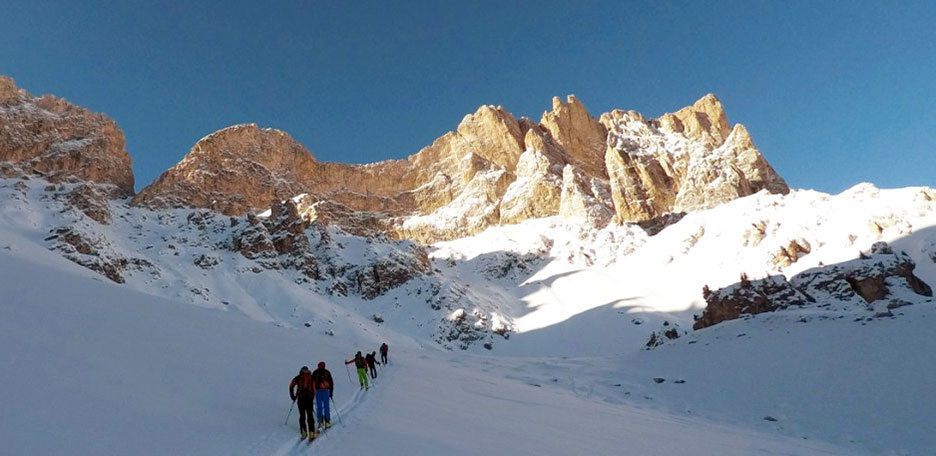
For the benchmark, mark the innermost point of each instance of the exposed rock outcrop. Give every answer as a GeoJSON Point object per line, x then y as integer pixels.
{"type": "Point", "coordinates": [585, 197]}
{"type": "Point", "coordinates": [859, 282]}
{"type": "Point", "coordinates": [493, 169]}
{"type": "Point", "coordinates": [294, 237]}
{"type": "Point", "coordinates": [537, 189]}
{"type": "Point", "coordinates": [59, 141]}
{"type": "Point", "coordinates": [95, 253]}
{"type": "Point", "coordinates": [680, 162]}
{"type": "Point", "coordinates": [92, 200]}
{"type": "Point", "coordinates": [582, 136]}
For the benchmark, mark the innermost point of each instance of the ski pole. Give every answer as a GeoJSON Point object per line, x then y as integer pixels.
{"type": "Point", "coordinates": [336, 411]}
{"type": "Point", "coordinates": [349, 374]}
{"type": "Point", "coordinates": [290, 412]}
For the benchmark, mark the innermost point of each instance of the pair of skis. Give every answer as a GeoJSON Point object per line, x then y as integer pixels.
{"type": "Point", "coordinates": [315, 434]}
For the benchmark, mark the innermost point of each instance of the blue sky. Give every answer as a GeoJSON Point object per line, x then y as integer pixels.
{"type": "Point", "coordinates": [833, 93]}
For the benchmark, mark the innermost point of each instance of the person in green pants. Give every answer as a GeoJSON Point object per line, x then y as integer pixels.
{"type": "Point", "coordinates": [361, 366]}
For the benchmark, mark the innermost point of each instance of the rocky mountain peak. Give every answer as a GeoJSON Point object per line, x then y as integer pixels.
{"type": "Point", "coordinates": [494, 134]}
{"type": "Point", "coordinates": [582, 136]}
{"type": "Point", "coordinates": [10, 94]}
{"type": "Point", "coordinates": [232, 170]}
{"type": "Point", "coordinates": [492, 169]}
{"type": "Point", "coordinates": [704, 120]}
{"type": "Point", "coordinates": [688, 160]}
{"type": "Point", "coordinates": [55, 139]}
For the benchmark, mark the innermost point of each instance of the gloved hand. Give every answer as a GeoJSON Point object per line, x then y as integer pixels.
{"type": "Point", "coordinates": [293, 397]}
{"type": "Point", "coordinates": [331, 394]}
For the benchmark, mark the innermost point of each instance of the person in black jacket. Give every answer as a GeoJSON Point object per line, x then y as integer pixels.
{"type": "Point", "coordinates": [324, 391]}
{"type": "Point", "coordinates": [371, 360]}
{"type": "Point", "coordinates": [302, 391]}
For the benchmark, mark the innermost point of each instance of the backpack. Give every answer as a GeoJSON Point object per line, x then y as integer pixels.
{"type": "Point", "coordinates": [323, 383]}
{"type": "Point", "coordinates": [304, 384]}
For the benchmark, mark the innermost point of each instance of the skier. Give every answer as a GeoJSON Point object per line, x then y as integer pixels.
{"type": "Point", "coordinates": [324, 391]}
{"type": "Point", "coordinates": [371, 361]}
{"type": "Point", "coordinates": [304, 396]}
{"type": "Point", "coordinates": [361, 365]}
{"type": "Point", "coordinates": [383, 353]}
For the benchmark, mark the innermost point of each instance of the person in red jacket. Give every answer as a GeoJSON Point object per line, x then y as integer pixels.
{"type": "Point", "coordinates": [383, 353]}
{"type": "Point", "coordinates": [324, 391]}
{"type": "Point", "coordinates": [302, 392]}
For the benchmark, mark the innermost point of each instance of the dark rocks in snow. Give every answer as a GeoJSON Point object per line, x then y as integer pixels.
{"type": "Point", "coordinates": [206, 261]}
{"type": "Point", "coordinates": [679, 381]}
{"type": "Point", "coordinates": [897, 303]}
{"type": "Point", "coordinates": [770, 418]}
{"type": "Point", "coordinates": [658, 379]}
{"type": "Point", "coordinates": [749, 297]}
{"type": "Point", "coordinates": [95, 254]}
{"type": "Point", "coordinates": [863, 280]}
{"type": "Point", "coordinates": [92, 200]}
{"type": "Point", "coordinates": [290, 238]}
{"type": "Point", "coordinates": [666, 333]}
{"type": "Point", "coordinates": [657, 224]}
{"type": "Point", "coordinates": [377, 318]}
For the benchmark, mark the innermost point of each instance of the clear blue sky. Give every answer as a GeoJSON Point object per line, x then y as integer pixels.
{"type": "Point", "coordinates": [834, 93]}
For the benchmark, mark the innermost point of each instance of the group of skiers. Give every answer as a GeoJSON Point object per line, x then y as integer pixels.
{"type": "Point", "coordinates": [314, 390]}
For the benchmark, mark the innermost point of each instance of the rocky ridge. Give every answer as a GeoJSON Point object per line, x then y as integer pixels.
{"type": "Point", "coordinates": [493, 169]}
{"type": "Point", "coordinates": [863, 282]}
{"type": "Point", "coordinates": [52, 138]}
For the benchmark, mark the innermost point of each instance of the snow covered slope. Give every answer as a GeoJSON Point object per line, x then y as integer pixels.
{"type": "Point", "coordinates": [95, 368]}
{"type": "Point", "coordinates": [544, 316]}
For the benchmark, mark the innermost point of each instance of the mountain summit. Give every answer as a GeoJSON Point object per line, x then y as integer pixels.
{"type": "Point", "coordinates": [53, 138]}
{"type": "Point", "coordinates": [493, 169]}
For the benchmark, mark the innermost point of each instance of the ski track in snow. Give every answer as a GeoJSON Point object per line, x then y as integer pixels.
{"type": "Point", "coordinates": [583, 311]}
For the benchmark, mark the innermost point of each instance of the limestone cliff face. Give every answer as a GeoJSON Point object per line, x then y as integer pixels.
{"type": "Point", "coordinates": [688, 160]}
{"type": "Point", "coordinates": [537, 189]}
{"type": "Point", "coordinates": [232, 170]}
{"type": "Point", "coordinates": [582, 136]}
{"type": "Point", "coordinates": [492, 169]}
{"type": "Point", "coordinates": [53, 138]}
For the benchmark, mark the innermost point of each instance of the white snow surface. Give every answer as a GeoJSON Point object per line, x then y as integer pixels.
{"type": "Point", "coordinates": [95, 367]}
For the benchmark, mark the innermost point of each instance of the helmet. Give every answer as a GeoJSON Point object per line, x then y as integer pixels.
{"type": "Point", "coordinates": [321, 364]}
{"type": "Point", "coordinates": [304, 369]}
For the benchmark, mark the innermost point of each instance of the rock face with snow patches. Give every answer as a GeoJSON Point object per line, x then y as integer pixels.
{"type": "Point", "coordinates": [680, 162]}
{"type": "Point", "coordinates": [879, 274]}
{"type": "Point", "coordinates": [493, 169]}
{"type": "Point", "coordinates": [53, 138]}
